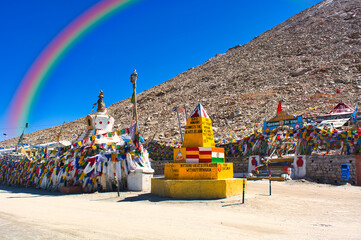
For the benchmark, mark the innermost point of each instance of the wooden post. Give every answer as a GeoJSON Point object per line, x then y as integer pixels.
{"type": "Point", "coordinates": [270, 184]}
{"type": "Point", "coordinates": [244, 177]}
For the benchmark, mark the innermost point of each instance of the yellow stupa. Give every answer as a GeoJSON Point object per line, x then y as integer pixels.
{"type": "Point", "coordinates": [198, 145]}
{"type": "Point", "coordinates": [199, 170]}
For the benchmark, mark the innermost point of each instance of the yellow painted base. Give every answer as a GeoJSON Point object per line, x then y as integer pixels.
{"type": "Point", "coordinates": [198, 170]}
{"type": "Point", "coordinates": [197, 189]}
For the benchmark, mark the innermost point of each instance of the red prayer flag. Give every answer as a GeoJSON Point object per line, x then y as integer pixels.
{"type": "Point", "coordinates": [279, 109]}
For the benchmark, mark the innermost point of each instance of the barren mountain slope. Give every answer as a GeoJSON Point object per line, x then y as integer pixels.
{"type": "Point", "coordinates": [302, 61]}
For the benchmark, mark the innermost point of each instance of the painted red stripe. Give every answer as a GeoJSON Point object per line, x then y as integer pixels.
{"type": "Point", "coordinates": [205, 160]}
{"type": "Point", "coordinates": [205, 153]}
{"type": "Point", "coordinates": [192, 149]}
{"type": "Point", "coordinates": [192, 156]}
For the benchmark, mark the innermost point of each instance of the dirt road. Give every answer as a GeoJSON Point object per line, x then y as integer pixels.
{"type": "Point", "coordinates": [298, 210]}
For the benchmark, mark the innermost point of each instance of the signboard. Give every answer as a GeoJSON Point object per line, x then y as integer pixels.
{"type": "Point", "coordinates": [179, 154]}
{"type": "Point", "coordinates": [198, 170]}
{"type": "Point", "coordinates": [295, 123]}
{"type": "Point", "coordinates": [198, 133]}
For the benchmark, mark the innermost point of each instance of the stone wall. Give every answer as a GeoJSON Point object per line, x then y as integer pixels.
{"type": "Point", "coordinates": [240, 164]}
{"type": "Point", "coordinates": [158, 166]}
{"type": "Point", "coordinates": [327, 168]}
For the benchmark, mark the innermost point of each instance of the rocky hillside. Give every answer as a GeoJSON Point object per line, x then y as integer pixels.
{"type": "Point", "coordinates": [303, 61]}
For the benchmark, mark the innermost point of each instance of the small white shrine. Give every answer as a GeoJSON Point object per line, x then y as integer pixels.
{"type": "Point", "coordinates": [99, 122]}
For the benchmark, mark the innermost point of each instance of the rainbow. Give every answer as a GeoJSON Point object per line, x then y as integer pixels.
{"type": "Point", "coordinates": [35, 77]}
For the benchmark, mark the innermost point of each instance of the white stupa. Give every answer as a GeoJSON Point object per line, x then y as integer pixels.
{"type": "Point", "coordinates": [99, 122]}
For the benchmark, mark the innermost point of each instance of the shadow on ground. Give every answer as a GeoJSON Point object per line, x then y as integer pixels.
{"type": "Point", "coordinates": [145, 197]}
{"type": "Point", "coordinates": [233, 204]}
{"type": "Point", "coordinates": [153, 198]}
{"type": "Point", "coordinates": [33, 191]}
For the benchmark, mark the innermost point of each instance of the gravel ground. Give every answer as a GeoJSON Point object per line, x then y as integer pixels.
{"type": "Point", "coordinates": [297, 209]}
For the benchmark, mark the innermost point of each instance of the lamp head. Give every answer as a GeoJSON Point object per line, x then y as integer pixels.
{"type": "Point", "coordinates": [133, 77]}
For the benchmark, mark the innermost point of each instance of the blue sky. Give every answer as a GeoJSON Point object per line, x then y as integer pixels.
{"type": "Point", "coordinates": [159, 38]}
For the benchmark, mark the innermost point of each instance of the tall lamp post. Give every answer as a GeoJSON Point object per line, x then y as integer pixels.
{"type": "Point", "coordinates": [133, 79]}
{"type": "Point", "coordinates": [21, 138]}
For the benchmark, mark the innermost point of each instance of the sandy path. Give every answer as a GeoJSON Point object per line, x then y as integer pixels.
{"type": "Point", "coordinates": [296, 209]}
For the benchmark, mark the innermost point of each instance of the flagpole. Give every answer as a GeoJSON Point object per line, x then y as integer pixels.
{"type": "Point", "coordinates": [133, 79]}
{"type": "Point", "coordinates": [61, 128]}
{"type": "Point", "coordinates": [179, 123]}
{"type": "Point", "coordinates": [21, 137]}
{"type": "Point", "coordinates": [185, 111]}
